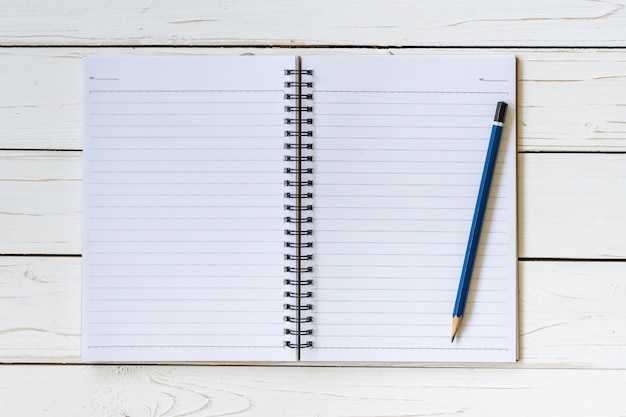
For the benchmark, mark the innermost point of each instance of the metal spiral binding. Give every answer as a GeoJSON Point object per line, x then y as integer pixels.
{"type": "Point", "coordinates": [299, 256]}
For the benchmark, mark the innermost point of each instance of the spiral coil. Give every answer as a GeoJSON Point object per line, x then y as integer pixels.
{"type": "Point", "coordinates": [298, 202]}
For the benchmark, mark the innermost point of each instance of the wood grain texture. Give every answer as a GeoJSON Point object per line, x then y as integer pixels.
{"type": "Point", "coordinates": [566, 98]}
{"type": "Point", "coordinates": [40, 309]}
{"type": "Point", "coordinates": [41, 208]}
{"type": "Point", "coordinates": [567, 101]}
{"type": "Point", "coordinates": [194, 391]}
{"type": "Point", "coordinates": [571, 314]}
{"type": "Point", "coordinates": [323, 22]}
{"type": "Point", "coordinates": [572, 206]}
{"type": "Point", "coordinates": [569, 205]}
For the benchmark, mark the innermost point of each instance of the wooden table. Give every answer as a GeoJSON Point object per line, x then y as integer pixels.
{"type": "Point", "coordinates": [571, 187]}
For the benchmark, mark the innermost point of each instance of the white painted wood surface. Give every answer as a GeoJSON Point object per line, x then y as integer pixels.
{"type": "Point", "coordinates": [567, 204]}
{"type": "Point", "coordinates": [567, 99]}
{"type": "Point", "coordinates": [571, 314]}
{"type": "Point", "coordinates": [319, 22]}
{"type": "Point", "coordinates": [571, 181]}
{"type": "Point", "coordinates": [194, 391]}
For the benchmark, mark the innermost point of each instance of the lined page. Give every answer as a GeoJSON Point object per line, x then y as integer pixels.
{"type": "Point", "coordinates": [183, 209]}
{"type": "Point", "coordinates": [400, 144]}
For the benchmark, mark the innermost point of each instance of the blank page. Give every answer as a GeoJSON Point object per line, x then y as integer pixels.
{"type": "Point", "coordinates": [183, 208]}
{"type": "Point", "coordinates": [400, 144]}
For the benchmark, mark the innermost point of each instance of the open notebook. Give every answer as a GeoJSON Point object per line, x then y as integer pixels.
{"type": "Point", "coordinates": [284, 208]}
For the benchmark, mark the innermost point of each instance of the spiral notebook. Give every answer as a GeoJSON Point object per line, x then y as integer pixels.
{"type": "Point", "coordinates": [286, 208]}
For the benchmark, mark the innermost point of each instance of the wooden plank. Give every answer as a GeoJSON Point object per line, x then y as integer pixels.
{"type": "Point", "coordinates": [41, 206]}
{"type": "Point", "coordinates": [40, 309]}
{"type": "Point", "coordinates": [567, 101]}
{"type": "Point", "coordinates": [193, 391]}
{"type": "Point", "coordinates": [566, 98]}
{"type": "Point", "coordinates": [571, 314]}
{"type": "Point", "coordinates": [570, 205]}
{"type": "Point", "coordinates": [41, 100]}
{"type": "Point", "coordinates": [323, 22]}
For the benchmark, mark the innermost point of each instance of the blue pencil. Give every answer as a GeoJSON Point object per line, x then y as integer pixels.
{"type": "Point", "coordinates": [479, 215]}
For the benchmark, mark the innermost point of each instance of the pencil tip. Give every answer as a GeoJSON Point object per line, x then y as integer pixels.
{"type": "Point", "coordinates": [456, 321]}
